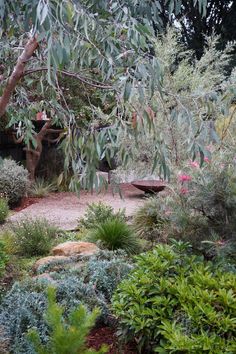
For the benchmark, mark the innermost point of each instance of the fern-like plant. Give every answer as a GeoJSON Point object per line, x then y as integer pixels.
{"type": "Point", "coordinates": [116, 234]}
{"type": "Point", "coordinates": [67, 336]}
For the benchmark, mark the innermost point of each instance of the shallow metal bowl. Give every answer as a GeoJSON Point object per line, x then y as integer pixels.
{"type": "Point", "coordinates": [149, 186]}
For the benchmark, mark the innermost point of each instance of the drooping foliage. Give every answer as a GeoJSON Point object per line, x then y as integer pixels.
{"type": "Point", "coordinates": [108, 46]}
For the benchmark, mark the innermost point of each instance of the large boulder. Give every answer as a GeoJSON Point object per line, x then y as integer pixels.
{"type": "Point", "coordinates": [75, 248]}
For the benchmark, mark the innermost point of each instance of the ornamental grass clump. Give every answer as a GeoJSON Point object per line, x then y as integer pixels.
{"type": "Point", "coordinates": [41, 188]}
{"type": "Point", "coordinates": [150, 221]}
{"type": "Point", "coordinates": [33, 237]}
{"type": "Point", "coordinates": [115, 234]}
{"type": "Point", "coordinates": [97, 213]}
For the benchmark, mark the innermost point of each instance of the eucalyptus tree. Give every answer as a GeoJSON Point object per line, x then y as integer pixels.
{"type": "Point", "coordinates": [106, 45]}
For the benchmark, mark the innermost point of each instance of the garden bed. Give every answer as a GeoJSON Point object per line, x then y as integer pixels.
{"type": "Point", "coordinates": [107, 335]}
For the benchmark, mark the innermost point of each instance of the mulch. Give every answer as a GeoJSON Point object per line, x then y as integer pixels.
{"type": "Point", "coordinates": [107, 335]}
{"type": "Point", "coordinates": [25, 203]}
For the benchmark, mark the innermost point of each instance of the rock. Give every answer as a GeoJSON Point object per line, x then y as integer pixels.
{"type": "Point", "coordinates": [50, 260]}
{"type": "Point", "coordinates": [45, 278]}
{"type": "Point", "coordinates": [75, 248]}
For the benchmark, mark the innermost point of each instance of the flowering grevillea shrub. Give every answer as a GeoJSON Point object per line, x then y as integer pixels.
{"type": "Point", "coordinates": [203, 207]}
{"type": "Point", "coordinates": [176, 303]}
{"type": "Point", "coordinates": [199, 207]}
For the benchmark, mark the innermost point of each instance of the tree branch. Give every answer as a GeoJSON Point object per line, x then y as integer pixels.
{"type": "Point", "coordinates": [17, 73]}
{"type": "Point", "coordinates": [77, 76]}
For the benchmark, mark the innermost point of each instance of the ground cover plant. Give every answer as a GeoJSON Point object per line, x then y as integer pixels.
{"type": "Point", "coordinates": [173, 302]}
{"type": "Point", "coordinates": [92, 285]}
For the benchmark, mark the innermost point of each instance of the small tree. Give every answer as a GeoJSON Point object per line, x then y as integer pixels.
{"type": "Point", "coordinates": [66, 336]}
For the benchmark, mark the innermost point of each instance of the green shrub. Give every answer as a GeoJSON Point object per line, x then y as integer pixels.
{"type": "Point", "coordinates": [92, 284]}
{"type": "Point", "coordinates": [204, 208]}
{"type": "Point", "coordinates": [4, 209]}
{"type": "Point", "coordinates": [174, 303]}
{"type": "Point", "coordinates": [115, 234]}
{"type": "Point", "coordinates": [97, 213]}
{"type": "Point", "coordinates": [66, 335]}
{"type": "Point", "coordinates": [41, 188]}
{"type": "Point", "coordinates": [13, 181]}
{"type": "Point", "coordinates": [33, 237]}
{"type": "Point", "coordinates": [3, 259]}
{"type": "Point", "coordinates": [150, 222]}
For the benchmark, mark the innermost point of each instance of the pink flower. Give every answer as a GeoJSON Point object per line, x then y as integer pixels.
{"type": "Point", "coordinates": [206, 159]}
{"type": "Point", "coordinates": [184, 191]}
{"type": "Point", "coordinates": [184, 178]}
{"type": "Point", "coordinates": [194, 164]}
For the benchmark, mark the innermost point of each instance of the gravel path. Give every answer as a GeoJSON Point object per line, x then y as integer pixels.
{"type": "Point", "coordinates": [64, 209]}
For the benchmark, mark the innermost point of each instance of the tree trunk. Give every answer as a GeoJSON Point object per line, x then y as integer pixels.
{"type": "Point", "coordinates": [33, 154]}
{"type": "Point", "coordinates": [17, 73]}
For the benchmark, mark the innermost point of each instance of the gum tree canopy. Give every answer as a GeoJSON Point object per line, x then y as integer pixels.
{"type": "Point", "coordinates": [104, 45]}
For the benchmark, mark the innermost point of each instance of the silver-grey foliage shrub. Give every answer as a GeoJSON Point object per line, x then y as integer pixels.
{"type": "Point", "coordinates": [13, 181]}
{"type": "Point", "coordinates": [91, 285]}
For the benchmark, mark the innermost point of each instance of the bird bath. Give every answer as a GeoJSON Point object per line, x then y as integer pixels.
{"type": "Point", "coordinates": [149, 186]}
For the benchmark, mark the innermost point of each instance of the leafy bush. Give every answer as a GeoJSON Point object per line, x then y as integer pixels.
{"type": "Point", "coordinates": [175, 303]}
{"type": "Point", "coordinates": [4, 209]}
{"type": "Point", "coordinates": [13, 181]}
{"type": "Point", "coordinates": [41, 188]}
{"type": "Point", "coordinates": [92, 284]}
{"type": "Point", "coordinates": [149, 221]}
{"type": "Point", "coordinates": [97, 213]}
{"type": "Point", "coordinates": [66, 335]}
{"type": "Point", "coordinates": [33, 237]}
{"type": "Point", "coordinates": [115, 234]}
